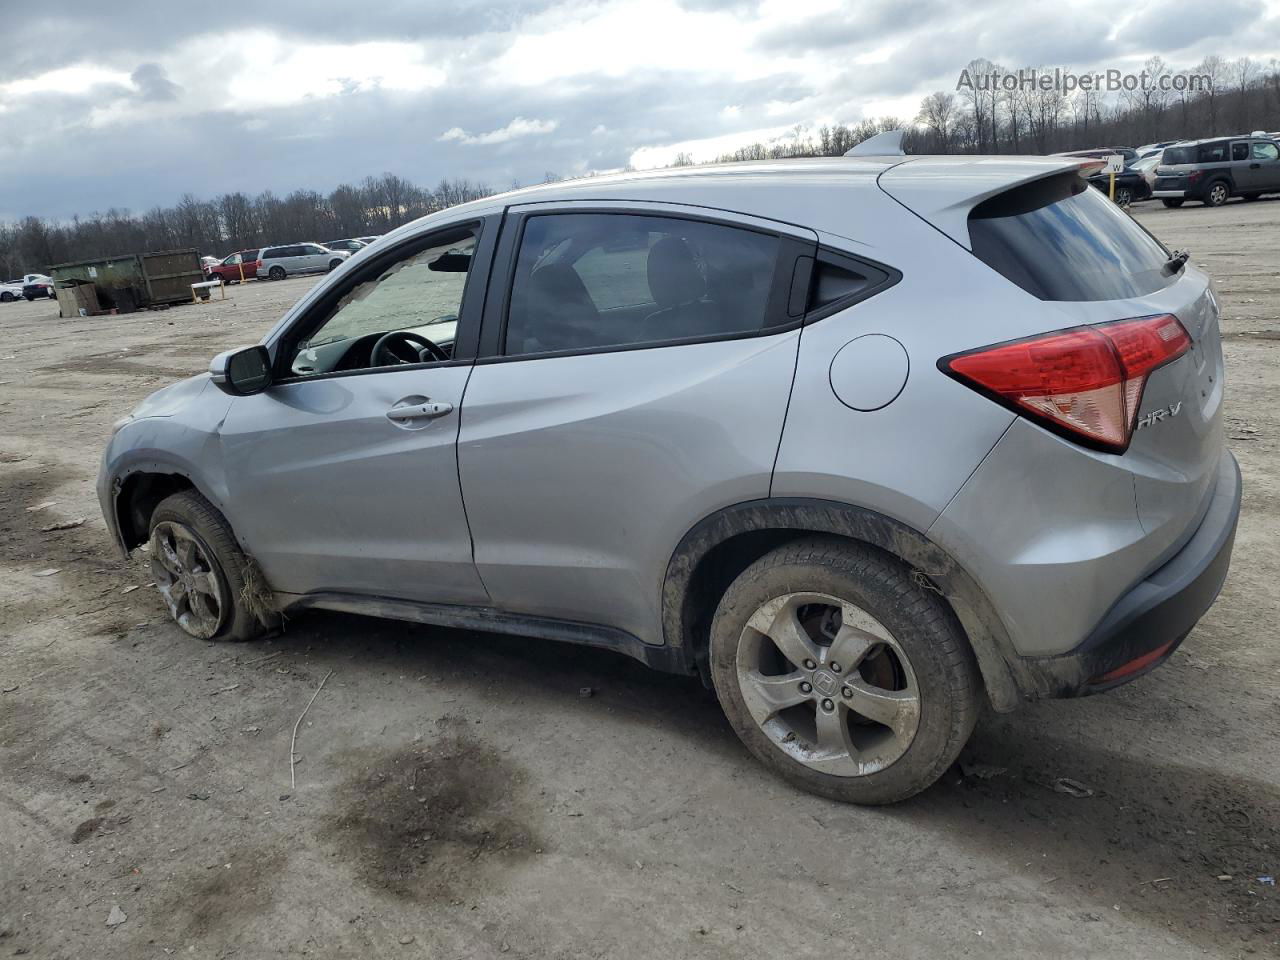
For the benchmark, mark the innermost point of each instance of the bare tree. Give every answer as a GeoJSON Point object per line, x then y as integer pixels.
{"type": "Point", "coordinates": [1243, 72]}
{"type": "Point", "coordinates": [978, 96]}
{"type": "Point", "coordinates": [936, 112]}
{"type": "Point", "coordinates": [1215, 69]}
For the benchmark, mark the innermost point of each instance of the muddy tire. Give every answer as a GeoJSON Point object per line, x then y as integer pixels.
{"type": "Point", "coordinates": [1217, 193]}
{"type": "Point", "coordinates": [871, 699]}
{"type": "Point", "coordinates": [209, 586]}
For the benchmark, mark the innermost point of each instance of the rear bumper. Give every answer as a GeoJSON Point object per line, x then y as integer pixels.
{"type": "Point", "coordinates": [1144, 627]}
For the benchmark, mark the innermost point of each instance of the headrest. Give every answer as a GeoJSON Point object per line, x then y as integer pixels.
{"type": "Point", "coordinates": [673, 273]}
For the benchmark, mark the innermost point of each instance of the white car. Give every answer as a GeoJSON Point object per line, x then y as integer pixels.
{"type": "Point", "coordinates": [1147, 167]}
{"type": "Point", "coordinates": [10, 290]}
{"type": "Point", "coordinates": [37, 285]}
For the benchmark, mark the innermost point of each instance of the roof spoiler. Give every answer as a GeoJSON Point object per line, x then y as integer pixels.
{"type": "Point", "coordinates": [887, 144]}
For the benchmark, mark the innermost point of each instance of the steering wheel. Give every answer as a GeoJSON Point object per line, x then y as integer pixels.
{"type": "Point", "coordinates": [403, 346]}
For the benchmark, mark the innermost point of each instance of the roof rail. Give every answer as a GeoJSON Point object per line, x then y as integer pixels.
{"type": "Point", "coordinates": [887, 144]}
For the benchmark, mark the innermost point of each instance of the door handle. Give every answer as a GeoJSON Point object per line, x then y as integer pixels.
{"type": "Point", "coordinates": [420, 411]}
{"type": "Point", "coordinates": [1255, 166]}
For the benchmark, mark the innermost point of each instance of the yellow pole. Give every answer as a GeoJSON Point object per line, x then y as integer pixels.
{"type": "Point", "coordinates": [241, 266]}
{"type": "Point", "coordinates": [1113, 187]}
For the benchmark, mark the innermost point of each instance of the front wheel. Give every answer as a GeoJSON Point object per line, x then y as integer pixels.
{"type": "Point", "coordinates": [276, 273]}
{"type": "Point", "coordinates": [6, 297]}
{"type": "Point", "coordinates": [1170, 202]}
{"type": "Point", "coordinates": [334, 265]}
{"type": "Point", "coordinates": [843, 674]}
{"type": "Point", "coordinates": [1219, 193]}
{"type": "Point", "coordinates": [1124, 196]}
{"type": "Point", "coordinates": [211, 589]}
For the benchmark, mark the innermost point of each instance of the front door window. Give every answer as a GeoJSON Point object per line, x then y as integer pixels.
{"type": "Point", "coordinates": [417, 298]}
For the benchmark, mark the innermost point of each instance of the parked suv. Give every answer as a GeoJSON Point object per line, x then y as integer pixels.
{"type": "Point", "coordinates": [862, 442]}
{"type": "Point", "coordinates": [1214, 171]}
{"type": "Point", "coordinates": [233, 268]}
{"type": "Point", "coordinates": [276, 263]}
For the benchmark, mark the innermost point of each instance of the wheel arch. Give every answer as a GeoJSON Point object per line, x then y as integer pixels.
{"type": "Point", "coordinates": [722, 545]}
{"type": "Point", "coordinates": [137, 496]}
{"type": "Point", "coordinates": [1220, 176]}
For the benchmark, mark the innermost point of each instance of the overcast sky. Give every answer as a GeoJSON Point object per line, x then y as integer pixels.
{"type": "Point", "coordinates": [115, 104]}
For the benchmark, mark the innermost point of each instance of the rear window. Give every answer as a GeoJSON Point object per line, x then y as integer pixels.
{"type": "Point", "coordinates": [1214, 152]}
{"type": "Point", "coordinates": [1059, 239]}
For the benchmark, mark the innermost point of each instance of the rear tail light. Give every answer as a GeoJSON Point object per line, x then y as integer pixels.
{"type": "Point", "coordinates": [1085, 383]}
{"type": "Point", "coordinates": [1194, 175]}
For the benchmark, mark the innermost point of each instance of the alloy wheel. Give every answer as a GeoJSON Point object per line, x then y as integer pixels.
{"type": "Point", "coordinates": [828, 684]}
{"type": "Point", "coordinates": [186, 579]}
{"type": "Point", "coordinates": [1218, 194]}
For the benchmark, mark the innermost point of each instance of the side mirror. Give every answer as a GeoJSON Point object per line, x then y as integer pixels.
{"type": "Point", "coordinates": [242, 372]}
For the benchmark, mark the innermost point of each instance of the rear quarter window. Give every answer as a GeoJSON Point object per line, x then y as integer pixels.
{"type": "Point", "coordinates": [1061, 240]}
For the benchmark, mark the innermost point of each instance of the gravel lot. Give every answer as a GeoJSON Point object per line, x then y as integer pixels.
{"type": "Point", "coordinates": [458, 797]}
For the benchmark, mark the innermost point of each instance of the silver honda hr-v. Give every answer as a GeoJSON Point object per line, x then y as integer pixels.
{"type": "Point", "coordinates": [863, 442]}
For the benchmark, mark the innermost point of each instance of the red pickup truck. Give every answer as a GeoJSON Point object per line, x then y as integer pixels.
{"type": "Point", "coordinates": [228, 271]}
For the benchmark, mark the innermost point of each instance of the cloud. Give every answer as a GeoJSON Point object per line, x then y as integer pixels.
{"type": "Point", "coordinates": [290, 100]}
{"type": "Point", "coordinates": [519, 127]}
{"type": "Point", "coordinates": [153, 84]}
{"type": "Point", "coordinates": [1153, 28]}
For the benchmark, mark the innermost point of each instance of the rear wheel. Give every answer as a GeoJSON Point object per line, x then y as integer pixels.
{"type": "Point", "coordinates": [1124, 196]}
{"type": "Point", "coordinates": [209, 586]}
{"type": "Point", "coordinates": [842, 674]}
{"type": "Point", "coordinates": [1170, 202]}
{"type": "Point", "coordinates": [6, 297]}
{"type": "Point", "coordinates": [1219, 192]}
{"type": "Point", "coordinates": [276, 273]}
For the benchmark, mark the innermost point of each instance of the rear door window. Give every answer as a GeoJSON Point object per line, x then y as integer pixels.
{"type": "Point", "coordinates": [1212, 152]}
{"type": "Point", "coordinates": [1060, 240]}
{"type": "Point", "coordinates": [1240, 150]}
{"type": "Point", "coordinates": [587, 281]}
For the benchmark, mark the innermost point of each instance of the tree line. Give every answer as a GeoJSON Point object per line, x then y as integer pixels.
{"type": "Point", "coordinates": [232, 221]}
{"type": "Point", "coordinates": [1240, 96]}
{"type": "Point", "coordinates": [1235, 97]}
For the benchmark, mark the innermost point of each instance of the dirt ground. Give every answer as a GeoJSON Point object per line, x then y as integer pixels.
{"type": "Point", "coordinates": [458, 796]}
